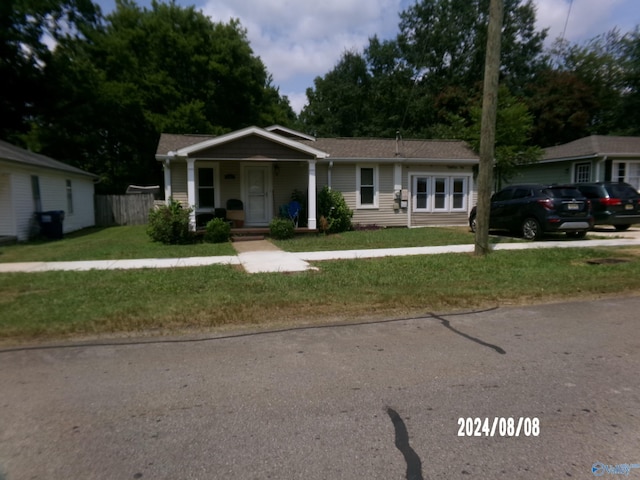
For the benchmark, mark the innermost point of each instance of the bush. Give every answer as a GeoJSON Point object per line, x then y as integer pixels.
{"type": "Point", "coordinates": [169, 224]}
{"type": "Point", "coordinates": [217, 231]}
{"type": "Point", "coordinates": [281, 228]}
{"type": "Point", "coordinates": [334, 209]}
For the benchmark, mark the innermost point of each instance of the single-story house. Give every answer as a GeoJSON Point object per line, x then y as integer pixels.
{"type": "Point", "coordinates": [31, 183]}
{"type": "Point", "coordinates": [386, 182]}
{"type": "Point", "coordinates": [590, 159]}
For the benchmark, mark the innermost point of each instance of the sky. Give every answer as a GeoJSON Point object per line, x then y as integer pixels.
{"type": "Point", "coordinates": [299, 40]}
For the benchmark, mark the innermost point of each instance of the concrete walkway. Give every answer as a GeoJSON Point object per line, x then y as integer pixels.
{"type": "Point", "coordinates": [261, 256]}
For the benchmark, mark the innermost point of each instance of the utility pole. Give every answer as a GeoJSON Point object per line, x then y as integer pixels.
{"type": "Point", "coordinates": [488, 126]}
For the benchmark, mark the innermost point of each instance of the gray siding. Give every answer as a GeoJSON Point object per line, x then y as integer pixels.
{"type": "Point", "coordinates": [7, 218]}
{"type": "Point", "coordinates": [559, 172]}
{"type": "Point", "coordinates": [179, 182]}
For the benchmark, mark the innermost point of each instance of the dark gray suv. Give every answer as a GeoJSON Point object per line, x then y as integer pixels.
{"type": "Point", "coordinates": [612, 203]}
{"type": "Point", "coordinates": [532, 210]}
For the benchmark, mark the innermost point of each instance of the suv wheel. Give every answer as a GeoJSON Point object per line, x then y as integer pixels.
{"type": "Point", "coordinates": [531, 229]}
{"type": "Point", "coordinates": [622, 228]}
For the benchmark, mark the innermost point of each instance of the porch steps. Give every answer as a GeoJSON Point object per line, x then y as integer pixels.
{"type": "Point", "coordinates": [246, 238]}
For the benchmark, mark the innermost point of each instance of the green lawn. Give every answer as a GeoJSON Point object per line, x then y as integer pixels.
{"type": "Point", "coordinates": [58, 304]}
{"type": "Point", "coordinates": [107, 244]}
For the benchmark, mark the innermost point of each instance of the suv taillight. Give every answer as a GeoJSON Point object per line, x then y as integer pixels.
{"type": "Point", "coordinates": [611, 202]}
{"type": "Point", "coordinates": [546, 203]}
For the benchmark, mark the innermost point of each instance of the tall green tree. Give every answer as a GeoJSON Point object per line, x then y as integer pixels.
{"type": "Point", "coordinates": [445, 42]}
{"type": "Point", "coordinates": [629, 113]}
{"type": "Point", "coordinates": [339, 102]}
{"type": "Point", "coordinates": [147, 71]}
{"type": "Point", "coordinates": [27, 29]}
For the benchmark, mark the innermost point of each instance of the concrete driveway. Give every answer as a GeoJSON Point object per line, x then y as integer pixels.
{"type": "Point", "coordinates": [381, 400]}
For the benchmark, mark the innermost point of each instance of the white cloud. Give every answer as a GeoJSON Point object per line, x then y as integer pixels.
{"type": "Point", "coordinates": [586, 18]}
{"type": "Point", "coordinates": [299, 40]}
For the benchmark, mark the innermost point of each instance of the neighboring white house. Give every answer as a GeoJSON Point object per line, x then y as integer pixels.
{"type": "Point", "coordinates": [31, 183]}
{"type": "Point", "coordinates": [387, 182]}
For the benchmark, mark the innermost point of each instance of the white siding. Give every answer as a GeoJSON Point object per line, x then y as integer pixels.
{"type": "Point", "coordinates": [53, 193]}
{"type": "Point", "coordinates": [7, 218]}
{"type": "Point", "coordinates": [23, 206]}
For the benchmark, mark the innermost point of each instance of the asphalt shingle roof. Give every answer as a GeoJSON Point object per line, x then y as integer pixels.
{"type": "Point", "coordinates": [20, 155]}
{"type": "Point", "coordinates": [595, 145]}
{"type": "Point", "coordinates": [353, 148]}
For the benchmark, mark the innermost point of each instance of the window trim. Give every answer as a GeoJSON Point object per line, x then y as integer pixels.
{"type": "Point", "coordinates": [376, 187]}
{"type": "Point", "coordinates": [36, 194]}
{"type": "Point", "coordinates": [431, 193]}
{"type": "Point", "coordinates": [215, 187]}
{"type": "Point", "coordinates": [69, 190]}
{"type": "Point", "coordinates": [576, 170]}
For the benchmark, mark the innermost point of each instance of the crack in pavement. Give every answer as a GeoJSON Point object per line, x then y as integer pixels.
{"type": "Point", "coordinates": [414, 464]}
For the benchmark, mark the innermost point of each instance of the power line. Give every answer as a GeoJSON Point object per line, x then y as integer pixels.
{"type": "Point", "coordinates": [567, 20]}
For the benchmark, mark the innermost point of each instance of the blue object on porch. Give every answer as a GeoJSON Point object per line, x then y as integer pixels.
{"type": "Point", "coordinates": [293, 210]}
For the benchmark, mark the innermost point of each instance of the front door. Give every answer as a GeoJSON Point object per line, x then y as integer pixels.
{"type": "Point", "coordinates": [257, 182]}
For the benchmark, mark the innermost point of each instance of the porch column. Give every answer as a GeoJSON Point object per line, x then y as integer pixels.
{"type": "Point", "coordinates": [312, 221]}
{"type": "Point", "coordinates": [166, 166]}
{"type": "Point", "coordinates": [191, 191]}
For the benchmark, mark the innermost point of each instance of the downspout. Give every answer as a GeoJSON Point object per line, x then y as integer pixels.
{"type": "Point", "coordinates": [329, 174]}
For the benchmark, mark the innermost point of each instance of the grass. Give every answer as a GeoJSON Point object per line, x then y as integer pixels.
{"type": "Point", "coordinates": [107, 244]}
{"type": "Point", "coordinates": [382, 238]}
{"type": "Point", "coordinates": [51, 305]}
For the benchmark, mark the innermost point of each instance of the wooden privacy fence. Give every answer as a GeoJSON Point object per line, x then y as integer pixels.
{"type": "Point", "coordinates": [123, 209]}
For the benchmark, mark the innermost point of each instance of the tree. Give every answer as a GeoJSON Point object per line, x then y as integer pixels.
{"type": "Point", "coordinates": [27, 28]}
{"type": "Point", "coordinates": [445, 42]}
{"type": "Point", "coordinates": [563, 107]}
{"type": "Point", "coordinates": [339, 103]}
{"type": "Point", "coordinates": [147, 71]}
{"type": "Point", "coordinates": [629, 114]}
{"type": "Point", "coordinates": [597, 68]}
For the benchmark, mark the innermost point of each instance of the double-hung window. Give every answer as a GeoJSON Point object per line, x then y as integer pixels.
{"type": "Point", "coordinates": [367, 186]}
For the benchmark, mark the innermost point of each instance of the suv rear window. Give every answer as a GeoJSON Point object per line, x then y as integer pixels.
{"type": "Point", "coordinates": [621, 191]}
{"type": "Point", "coordinates": [563, 192]}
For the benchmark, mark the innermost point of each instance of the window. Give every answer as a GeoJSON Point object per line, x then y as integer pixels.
{"type": "Point", "coordinates": [628, 172]}
{"type": "Point", "coordinates": [459, 193]}
{"type": "Point", "coordinates": [206, 189]}
{"type": "Point", "coordinates": [422, 193]}
{"type": "Point", "coordinates": [439, 194]}
{"type": "Point", "coordinates": [69, 197]}
{"type": "Point", "coordinates": [367, 179]}
{"type": "Point", "coordinates": [35, 192]}
{"type": "Point", "coordinates": [582, 173]}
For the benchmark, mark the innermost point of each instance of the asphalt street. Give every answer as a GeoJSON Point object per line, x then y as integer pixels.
{"type": "Point", "coordinates": [380, 400]}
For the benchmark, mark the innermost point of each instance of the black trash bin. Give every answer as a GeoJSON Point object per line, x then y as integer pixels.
{"type": "Point", "coordinates": [51, 224]}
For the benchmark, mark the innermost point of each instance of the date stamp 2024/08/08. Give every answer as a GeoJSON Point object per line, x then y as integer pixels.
{"type": "Point", "coordinates": [498, 426]}
{"type": "Point", "coordinates": [526, 427]}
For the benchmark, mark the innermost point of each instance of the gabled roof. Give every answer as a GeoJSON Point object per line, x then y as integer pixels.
{"type": "Point", "coordinates": [594, 146]}
{"type": "Point", "coordinates": [362, 149]}
{"type": "Point", "coordinates": [19, 155]}
{"type": "Point", "coordinates": [196, 144]}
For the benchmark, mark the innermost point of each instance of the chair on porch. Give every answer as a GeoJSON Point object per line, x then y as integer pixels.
{"type": "Point", "coordinates": [235, 212]}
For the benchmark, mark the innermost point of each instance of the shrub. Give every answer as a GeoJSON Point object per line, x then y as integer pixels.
{"type": "Point", "coordinates": [332, 206]}
{"type": "Point", "coordinates": [217, 231]}
{"type": "Point", "coordinates": [281, 228]}
{"type": "Point", "coordinates": [169, 224]}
